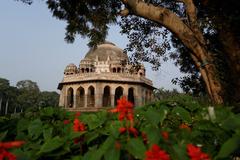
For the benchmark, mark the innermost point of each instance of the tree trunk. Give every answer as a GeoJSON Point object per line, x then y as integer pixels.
{"type": "Point", "coordinates": [6, 109]}
{"type": "Point", "coordinates": [190, 38]}
{"type": "Point", "coordinates": [231, 48]}
{"type": "Point", "coordinates": [0, 105]}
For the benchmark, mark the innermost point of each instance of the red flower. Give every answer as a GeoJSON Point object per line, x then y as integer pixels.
{"type": "Point", "coordinates": [77, 114]}
{"type": "Point", "coordinates": [66, 121]}
{"type": "Point", "coordinates": [125, 109]}
{"type": "Point", "coordinates": [6, 145]}
{"type": "Point", "coordinates": [184, 126]}
{"type": "Point", "coordinates": [117, 145]}
{"type": "Point", "coordinates": [195, 153]}
{"type": "Point", "coordinates": [122, 130]}
{"type": "Point", "coordinates": [78, 126]}
{"type": "Point", "coordinates": [144, 137]}
{"type": "Point", "coordinates": [12, 144]}
{"type": "Point", "coordinates": [156, 153]}
{"type": "Point", "coordinates": [133, 131]}
{"type": "Point", "coordinates": [165, 135]}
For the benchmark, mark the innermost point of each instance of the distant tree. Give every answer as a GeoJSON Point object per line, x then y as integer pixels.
{"type": "Point", "coordinates": [28, 93]}
{"type": "Point", "coordinates": [48, 99]}
{"type": "Point", "coordinates": [4, 87]}
{"type": "Point", "coordinates": [162, 93]}
{"type": "Point", "coordinates": [8, 96]}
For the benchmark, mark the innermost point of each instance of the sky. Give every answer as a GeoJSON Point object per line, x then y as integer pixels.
{"type": "Point", "coordinates": [32, 47]}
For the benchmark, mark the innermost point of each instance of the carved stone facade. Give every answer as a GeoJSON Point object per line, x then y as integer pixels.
{"type": "Point", "coordinates": [103, 76]}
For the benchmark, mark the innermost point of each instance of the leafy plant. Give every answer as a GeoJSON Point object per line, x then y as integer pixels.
{"type": "Point", "coordinates": [178, 128]}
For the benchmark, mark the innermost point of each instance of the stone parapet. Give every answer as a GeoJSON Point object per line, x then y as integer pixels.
{"type": "Point", "coordinates": [122, 77]}
{"type": "Point", "coordinates": [88, 109]}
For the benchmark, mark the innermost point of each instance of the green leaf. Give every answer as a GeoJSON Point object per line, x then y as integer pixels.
{"type": "Point", "coordinates": [76, 158]}
{"type": "Point", "coordinates": [74, 134]}
{"type": "Point", "coordinates": [93, 121]}
{"type": "Point", "coordinates": [109, 143]}
{"type": "Point", "coordinates": [136, 148]}
{"type": "Point", "coordinates": [153, 133]}
{"type": "Point", "coordinates": [22, 125]}
{"type": "Point", "coordinates": [229, 147]}
{"type": "Point", "coordinates": [114, 128]}
{"type": "Point", "coordinates": [92, 154]}
{"type": "Point", "coordinates": [51, 144]}
{"type": "Point", "coordinates": [163, 111]}
{"type": "Point", "coordinates": [35, 128]}
{"type": "Point", "coordinates": [112, 154]}
{"type": "Point", "coordinates": [179, 152]}
{"type": "Point", "coordinates": [182, 113]}
{"type": "Point", "coordinates": [90, 136]}
{"type": "Point", "coordinates": [231, 123]}
{"type": "Point", "coordinates": [47, 133]}
{"type": "Point", "coordinates": [48, 111]}
{"type": "Point", "coordinates": [153, 116]}
{"type": "Point", "coordinates": [3, 135]}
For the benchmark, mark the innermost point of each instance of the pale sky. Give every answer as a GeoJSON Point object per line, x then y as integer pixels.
{"type": "Point", "coordinates": [32, 47]}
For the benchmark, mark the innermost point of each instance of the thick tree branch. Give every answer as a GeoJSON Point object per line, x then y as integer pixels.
{"type": "Point", "coordinates": [169, 20]}
{"type": "Point", "coordinates": [191, 12]}
{"type": "Point", "coordinates": [187, 34]}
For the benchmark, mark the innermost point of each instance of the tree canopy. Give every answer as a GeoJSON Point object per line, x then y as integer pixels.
{"type": "Point", "coordinates": [197, 29]}
{"type": "Point", "coordinates": [26, 95]}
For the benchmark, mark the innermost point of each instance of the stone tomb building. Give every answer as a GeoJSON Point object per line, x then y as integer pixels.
{"type": "Point", "coordinates": [103, 77]}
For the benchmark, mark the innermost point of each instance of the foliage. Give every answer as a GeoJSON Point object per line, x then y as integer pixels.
{"type": "Point", "coordinates": [25, 95]}
{"type": "Point", "coordinates": [162, 93]}
{"type": "Point", "coordinates": [171, 128]}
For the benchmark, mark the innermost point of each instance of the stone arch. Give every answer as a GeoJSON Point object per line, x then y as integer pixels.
{"type": "Point", "coordinates": [131, 95]}
{"type": "Point", "coordinates": [106, 96]}
{"type": "Point", "coordinates": [118, 94]}
{"type": "Point", "coordinates": [80, 97]}
{"type": "Point", "coordinates": [70, 100]}
{"type": "Point", "coordinates": [82, 70]}
{"type": "Point", "coordinates": [91, 97]}
{"type": "Point", "coordinates": [114, 70]}
{"type": "Point", "coordinates": [87, 70]}
{"type": "Point", "coordinates": [118, 70]}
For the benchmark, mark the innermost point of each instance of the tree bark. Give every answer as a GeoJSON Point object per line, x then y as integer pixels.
{"type": "Point", "coordinates": [0, 105]}
{"type": "Point", "coordinates": [190, 37]}
{"type": "Point", "coordinates": [6, 109]}
{"type": "Point", "coordinates": [231, 47]}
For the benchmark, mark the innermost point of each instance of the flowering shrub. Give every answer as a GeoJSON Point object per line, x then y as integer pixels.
{"type": "Point", "coordinates": [4, 146]}
{"type": "Point", "coordinates": [176, 129]}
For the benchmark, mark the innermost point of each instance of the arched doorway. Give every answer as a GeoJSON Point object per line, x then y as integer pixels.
{"type": "Point", "coordinates": [131, 95]}
{"type": "Point", "coordinates": [80, 97]}
{"type": "Point", "coordinates": [70, 98]}
{"type": "Point", "coordinates": [87, 70]}
{"type": "Point", "coordinates": [114, 70]}
{"type": "Point", "coordinates": [118, 94]}
{"type": "Point", "coordinates": [118, 70]}
{"type": "Point", "coordinates": [106, 97]}
{"type": "Point", "coordinates": [91, 97]}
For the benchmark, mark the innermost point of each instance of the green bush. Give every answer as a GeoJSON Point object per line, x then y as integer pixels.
{"type": "Point", "coordinates": [171, 124]}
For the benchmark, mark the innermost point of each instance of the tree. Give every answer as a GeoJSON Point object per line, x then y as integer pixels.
{"type": "Point", "coordinates": [29, 93]}
{"type": "Point", "coordinates": [48, 99]}
{"type": "Point", "coordinates": [148, 23]}
{"type": "Point", "coordinates": [8, 96]}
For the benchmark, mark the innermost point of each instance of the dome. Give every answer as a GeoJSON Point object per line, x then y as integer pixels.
{"type": "Point", "coordinates": [71, 69]}
{"type": "Point", "coordinates": [104, 51]}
